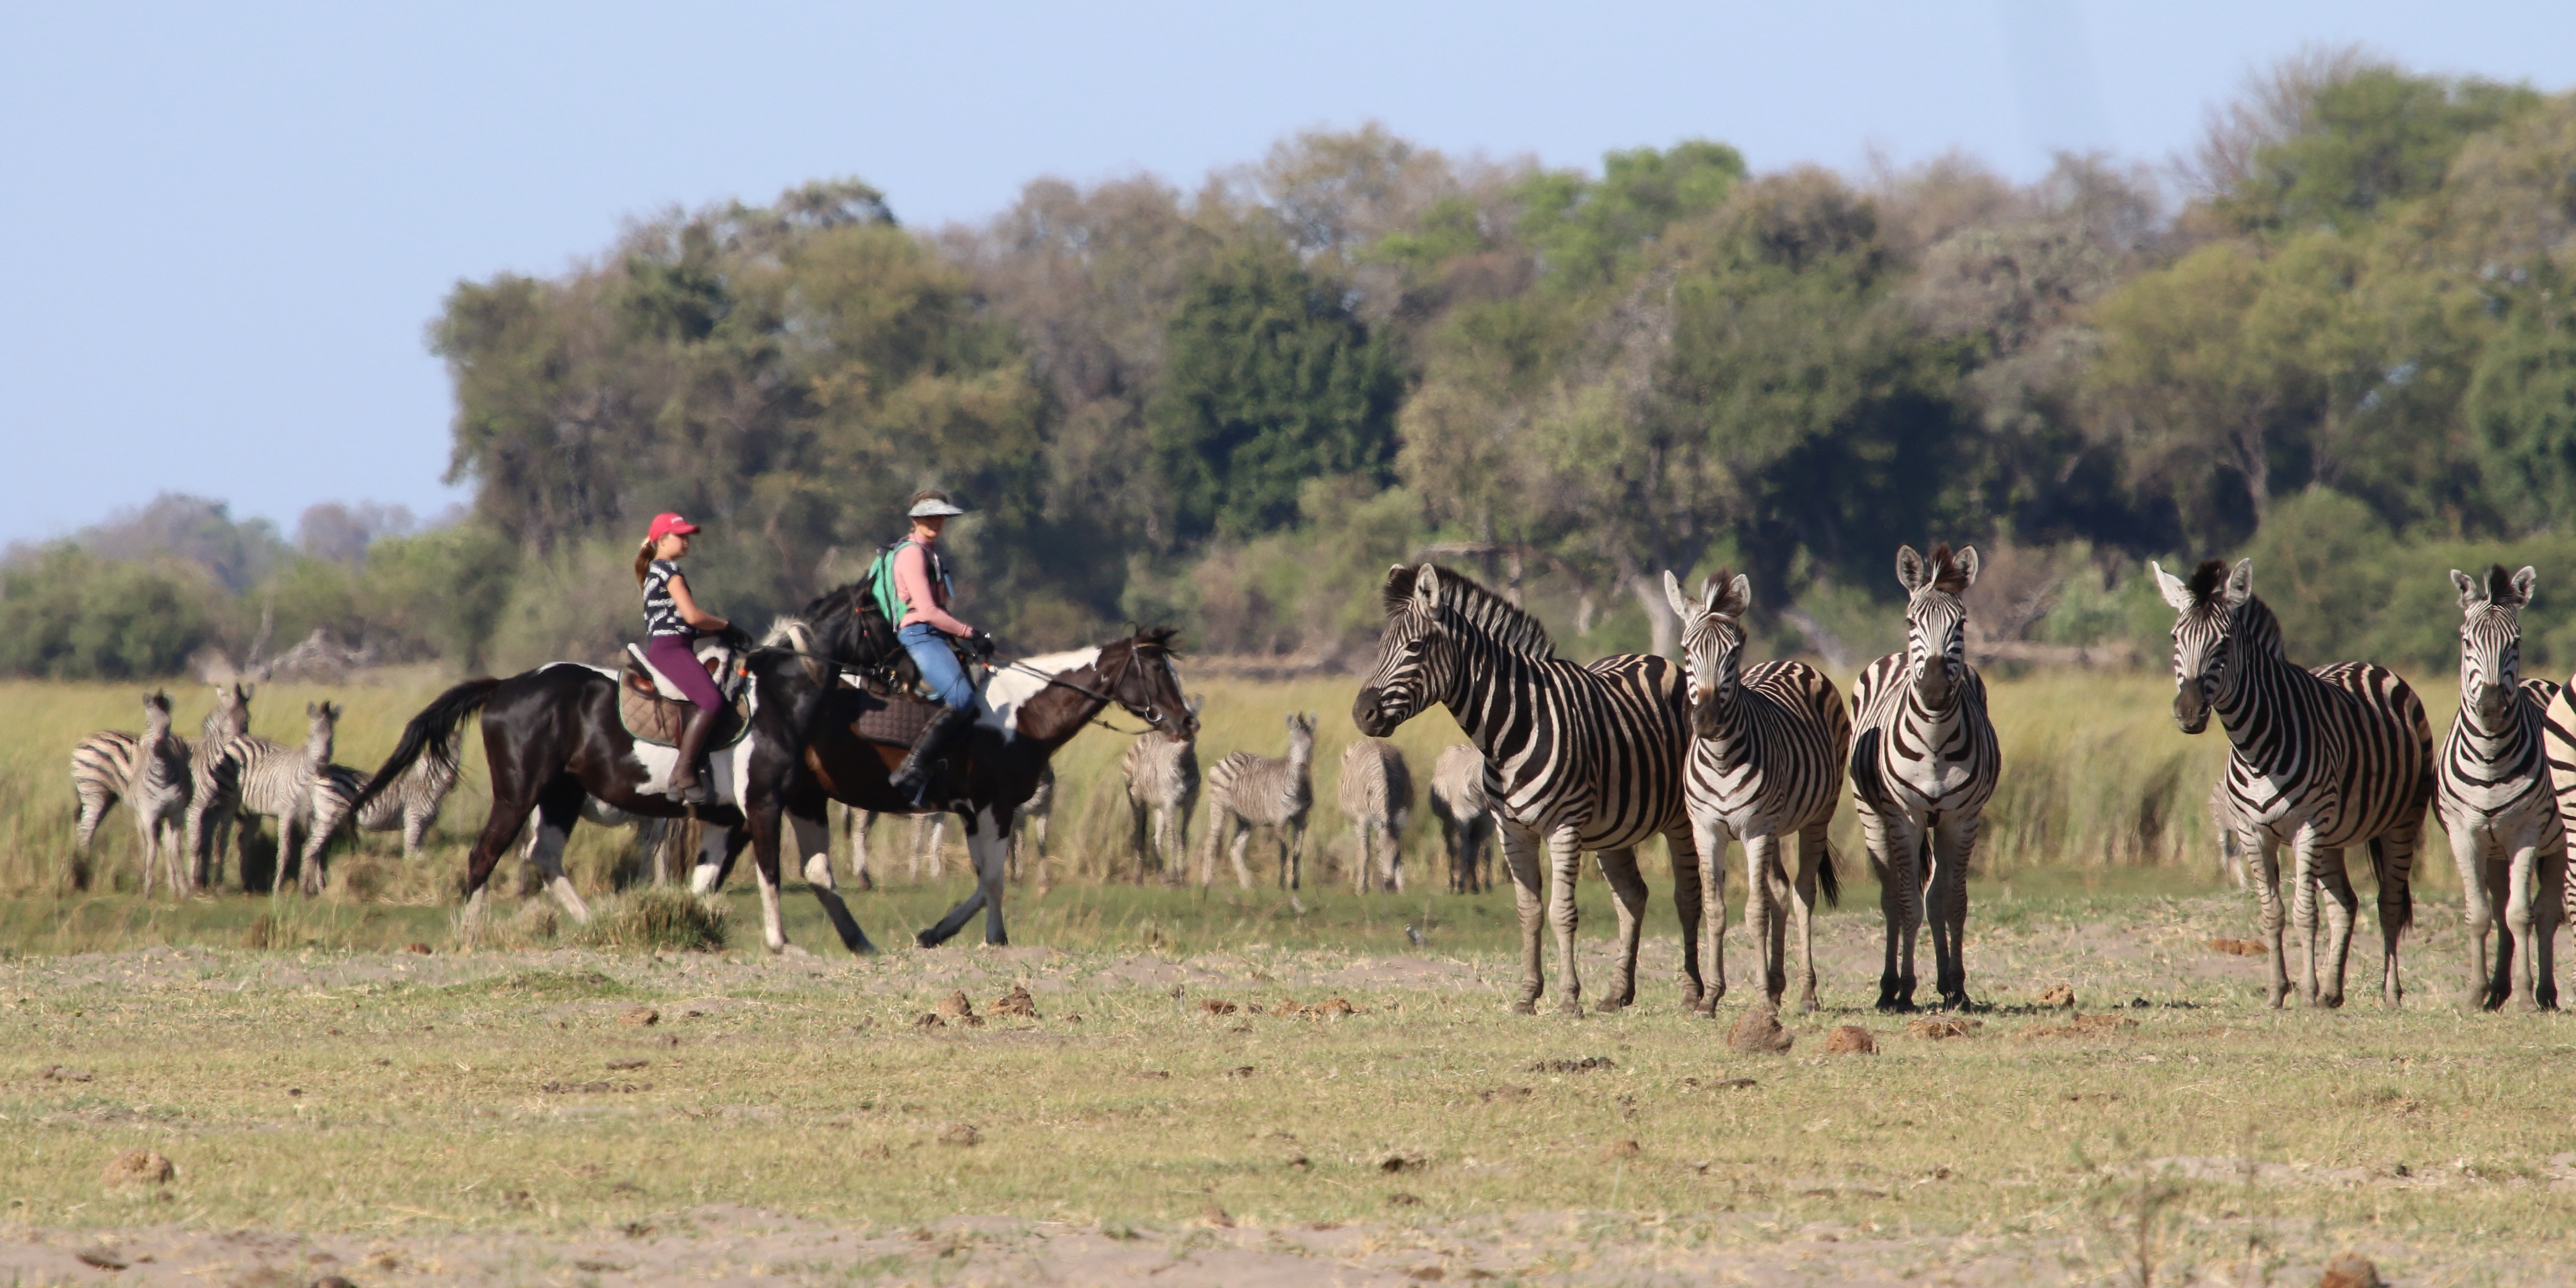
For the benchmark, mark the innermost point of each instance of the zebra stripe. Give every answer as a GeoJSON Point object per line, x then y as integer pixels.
{"type": "Point", "coordinates": [1376, 791]}
{"type": "Point", "coordinates": [158, 789]}
{"type": "Point", "coordinates": [102, 766]}
{"type": "Point", "coordinates": [1246, 791]}
{"type": "Point", "coordinates": [2491, 790]}
{"type": "Point", "coordinates": [1578, 757]}
{"type": "Point", "coordinates": [1923, 764]}
{"type": "Point", "coordinates": [1767, 753]}
{"type": "Point", "coordinates": [2322, 758]}
{"type": "Point", "coordinates": [410, 803]}
{"type": "Point", "coordinates": [1466, 818]}
{"type": "Point", "coordinates": [272, 780]}
{"type": "Point", "coordinates": [1162, 775]}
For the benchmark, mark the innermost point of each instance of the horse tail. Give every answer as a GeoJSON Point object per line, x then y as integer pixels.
{"type": "Point", "coordinates": [430, 730]}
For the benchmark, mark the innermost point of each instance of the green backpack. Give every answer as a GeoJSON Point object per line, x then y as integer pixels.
{"type": "Point", "coordinates": [881, 578]}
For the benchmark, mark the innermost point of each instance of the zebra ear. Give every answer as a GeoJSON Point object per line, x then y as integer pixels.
{"type": "Point", "coordinates": [1426, 587]}
{"type": "Point", "coordinates": [1966, 562]}
{"type": "Point", "coordinates": [1730, 599]}
{"type": "Point", "coordinates": [2524, 581]}
{"type": "Point", "coordinates": [1909, 569]}
{"type": "Point", "coordinates": [1682, 606]}
{"type": "Point", "coordinates": [2240, 582]}
{"type": "Point", "coordinates": [2175, 592]}
{"type": "Point", "coordinates": [2473, 592]}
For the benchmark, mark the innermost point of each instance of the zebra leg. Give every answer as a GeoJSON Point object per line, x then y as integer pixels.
{"type": "Point", "coordinates": [1392, 876]}
{"type": "Point", "coordinates": [2334, 880]}
{"type": "Point", "coordinates": [1761, 914]}
{"type": "Point", "coordinates": [1812, 860]}
{"type": "Point", "coordinates": [1896, 842]}
{"type": "Point", "coordinates": [1360, 839]}
{"type": "Point", "coordinates": [2265, 854]}
{"type": "Point", "coordinates": [1564, 867]}
{"type": "Point", "coordinates": [2468, 847]}
{"type": "Point", "coordinates": [1243, 841]}
{"type": "Point", "coordinates": [814, 840]}
{"type": "Point", "coordinates": [1140, 842]}
{"type": "Point", "coordinates": [1953, 841]}
{"type": "Point", "coordinates": [2518, 921]}
{"type": "Point", "coordinates": [1691, 879]}
{"type": "Point", "coordinates": [1628, 892]}
{"type": "Point", "coordinates": [2393, 856]}
{"type": "Point", "coordinates": [1296, 853]}
{"type": "Point", "coordinates": [2549, 880]}
{"type": "Point", "coordinates": [1520, 857]}
{"type": "Point", "coordinates": [94, 803]}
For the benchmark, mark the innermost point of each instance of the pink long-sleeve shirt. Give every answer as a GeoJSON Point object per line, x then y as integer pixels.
{"type": "Point", "coordinates": [922, 601]}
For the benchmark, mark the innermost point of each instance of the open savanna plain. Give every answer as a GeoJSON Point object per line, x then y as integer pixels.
{"type": "Point", "coordinates": [1176, 1086]}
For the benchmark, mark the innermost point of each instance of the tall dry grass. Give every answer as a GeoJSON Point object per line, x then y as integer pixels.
{"type": "Point", "coordinates": [2095, 776]}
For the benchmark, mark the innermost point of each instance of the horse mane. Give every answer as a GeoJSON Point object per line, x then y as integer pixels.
{"type": "Point", "coordinates": [1472, 605]}
{"type": "Point", "coordinates": [1947, 576]}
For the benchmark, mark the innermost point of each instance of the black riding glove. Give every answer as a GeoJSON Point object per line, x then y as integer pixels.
{"type": "Point", "coordinates": [981, 645]}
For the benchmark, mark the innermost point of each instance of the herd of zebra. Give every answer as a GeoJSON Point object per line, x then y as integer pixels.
{"type": "Point", "coordinates": [1565, 758]}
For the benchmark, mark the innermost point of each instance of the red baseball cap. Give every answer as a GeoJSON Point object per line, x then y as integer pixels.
{"type": "Point", "coordinates": [668, 524]}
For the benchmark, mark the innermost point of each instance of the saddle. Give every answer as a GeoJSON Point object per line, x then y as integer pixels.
{"type": "Point", "coordinates": [654, 712]}
{"type": "Point", "coordinates": [887, 714]}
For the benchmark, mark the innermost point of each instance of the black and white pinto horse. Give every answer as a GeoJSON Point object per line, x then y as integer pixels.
{"type": "Point", "coordinates": [552, 736]}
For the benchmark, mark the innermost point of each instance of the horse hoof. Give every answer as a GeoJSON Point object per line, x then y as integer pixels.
{"type": "Point", "coordinates": [926, 939]}
{"type": "Point", "coordinates": [1895, 1006]}
{"type": "Point", "coordinates": [1525, 1006]}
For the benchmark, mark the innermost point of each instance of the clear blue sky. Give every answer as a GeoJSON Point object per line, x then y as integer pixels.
{"type": "Point", "coordinates": [230, 223]}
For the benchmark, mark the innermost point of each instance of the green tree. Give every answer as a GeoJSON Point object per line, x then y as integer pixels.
{"type": "Point", "coordinates": [2522, 411]}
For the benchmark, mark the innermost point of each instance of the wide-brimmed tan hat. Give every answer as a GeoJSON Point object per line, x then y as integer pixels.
{"type": "Point", "coordinates": [931, 504]}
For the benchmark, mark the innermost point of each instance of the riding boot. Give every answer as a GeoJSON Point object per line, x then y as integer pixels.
{"type": "Point", "coordinates": [689, 773]}
{"type": "Point", "coordinates": [912, 778]}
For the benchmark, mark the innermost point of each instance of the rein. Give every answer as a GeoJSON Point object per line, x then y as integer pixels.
{"type": "Point", "coordinates": [1110, 698]}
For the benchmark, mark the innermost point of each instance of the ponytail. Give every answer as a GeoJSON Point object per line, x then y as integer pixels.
{"type": "Point", "coordinates": [644, 560]}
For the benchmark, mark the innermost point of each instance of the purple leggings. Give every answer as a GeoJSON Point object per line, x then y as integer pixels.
{"type": "Point", "coordinates": [670, 655]}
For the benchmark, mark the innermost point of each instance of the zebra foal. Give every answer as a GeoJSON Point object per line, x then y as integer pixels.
{"type": "Point", "coordinates": [2491, 790]}
{"type": "Point", "coordinates": [103, 765]}
{"type": "Point", "coordinates": [1466, 817]}
{"type": "Point", "coordinates": [288, 784]}
{"type": "Point", "coordinates": [1577, 757]}
{"type": "Point", "coordinates": [2321, 758]}
{"type": "Point", "coordinates": [1766, 763]}
{"type": "Point", "coordinates": [1923, 765]}
{"type": "Point", "coordinates": [1162, 775]}
{"type": "Point", "coordinates": [1246, 791]}
{"type": "Point", "coordinates": [1376, 791]}
{"type": "Point", "coordinates": [158, 791]}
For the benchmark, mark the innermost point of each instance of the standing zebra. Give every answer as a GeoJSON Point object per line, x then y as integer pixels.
{"type": "Point", "coordinates": [1577, 758]}
{"type": "Point", "coordinates": [1029, 830]}
{"type": "Point", "coordinates": [1247, 791]}
{"type": "Point", "coordinates": [1923, 765]}
{"type": "Point", "coordinates": [410, 803]}
{"type": "Point", "coordinates": [1376, 794]}
{"type": "Point", "coordinates": [2491, 790]}
{"type": "Point", "coordinates": [2323, 758]}
{"type": "Point", "coordinates": [103, 763]}
{"type": "Point", "coordinates": [283, 783]}
{"type": "Point", "coordinates": [1466, 818]}
{"type": "Point", "coordinates": [158, 791]}
{"type": "Point", "coordinates": [1162, 773]}
{"type": "Point", "coordinates": [215, 794]}
{"type": "Point", "coordinates": [1767, 752]}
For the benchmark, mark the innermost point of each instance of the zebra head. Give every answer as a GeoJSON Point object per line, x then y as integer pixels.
{"type": "Point", "coordinates": [1936, 621]}
{"type": "Point", "coordinates": [2491, 644]}
{"type": "Point", "coordinates": [1412, 661]}
{"type": "Point", "coordinates": [321, 718]}
{"type": "Point", "coordinates": [2206, 634]}
{"type": "Point", "coordinates": [1712, 643]}
{"type": "Point", "coordinates": [156, 715]}
{"type": "Point", "coordinates": [231, 716]}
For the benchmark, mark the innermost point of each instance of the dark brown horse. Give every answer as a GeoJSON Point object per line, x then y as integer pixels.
{"type": "Point", "coordinates": [1033, 706]}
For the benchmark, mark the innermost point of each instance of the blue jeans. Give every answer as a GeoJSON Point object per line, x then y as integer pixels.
{"type": "Point", "coordinates": [939, 670]}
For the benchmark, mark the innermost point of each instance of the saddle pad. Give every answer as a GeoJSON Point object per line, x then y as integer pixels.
{"type": "Point", "coordinates": [651, 718]}
{"type": "Point", "coordinates": [891, 718]}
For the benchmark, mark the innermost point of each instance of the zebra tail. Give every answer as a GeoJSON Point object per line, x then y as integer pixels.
{"type": "Point", "coordinates": [1829, 882]}
{"type": "Point", "coordinates": [429, 730]}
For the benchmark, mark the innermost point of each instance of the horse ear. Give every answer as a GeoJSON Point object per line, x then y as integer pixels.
{"type": "Point", "coordinates": [1682, 606]}
{"type": "Point", "coordinates": [1909, 569]}
{"type": "Point", "coordinates": [2172, 587]}
{"type": "Point", "coordinates": [2472, 591]}
{"type": "Point", "coordinates": [1966, 562]}
{"type": "Point", "coordinates": [2524, 581]}
{"type": "Point", "coordinates": [1731, 599]}
{"type": "Point", "coordinates": [2240, 582]}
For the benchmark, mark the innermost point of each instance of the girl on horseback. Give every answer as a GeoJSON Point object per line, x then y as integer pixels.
{"type": "Point", "coordinates": [922, 585]}
{"type": "Point", "coordinates": [672, 618]}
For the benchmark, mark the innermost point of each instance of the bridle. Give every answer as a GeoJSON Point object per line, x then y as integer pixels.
{"type": "Point", "coordinates": [1151, 713]}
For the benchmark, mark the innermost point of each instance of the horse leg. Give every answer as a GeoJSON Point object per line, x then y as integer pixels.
{"type": "Point", "coordinates": [955, 920]}
{"type": "Point", "coordinates": [990, 847]}
{"type": "Point", "coordinates": [558, 808]}
{"type": "Point", "coordinates": [814, 840]}
{"type": "Point", "coordinates": [763, 824]}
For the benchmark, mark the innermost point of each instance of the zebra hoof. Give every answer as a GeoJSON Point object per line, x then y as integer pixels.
{"type": "Point", "coordinates": [1525, 1006]}
{"type": "Point", "coordinates": [1610, 1006]}
{"type": "Point", "coordinates": [1571, 1008]}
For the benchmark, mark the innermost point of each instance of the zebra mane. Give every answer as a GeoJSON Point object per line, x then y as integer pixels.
{"type": "Point", "coordinates": [1472, 605]}
{"type": "Point", "coordinates": [2500, 591]}
{"type": "Point", "coordinates": [1947, 576]}
{"type": "Point", "coordinates": [2209, 583]}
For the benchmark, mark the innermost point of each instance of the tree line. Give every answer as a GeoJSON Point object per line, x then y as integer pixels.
{"type": "Point", "coordinates": [2335, 337]}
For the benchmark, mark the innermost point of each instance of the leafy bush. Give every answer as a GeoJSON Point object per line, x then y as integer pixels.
{"type": "Point", "coordinates": [76, 616]}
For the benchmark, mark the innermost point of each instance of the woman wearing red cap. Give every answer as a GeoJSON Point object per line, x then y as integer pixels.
{"type": "Point", "coordinates": [671, 619]}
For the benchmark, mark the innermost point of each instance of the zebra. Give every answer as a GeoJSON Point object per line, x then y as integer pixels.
{"type": "Point", "coordinates": [103, 763]}
{"type": "Point", "coordinates": [1466, 819]}
{"type": "Point", "coordinates": [409, 804]}
{"type": "Point", "coordinates": [929, 838]}
{"type": "Point", "coordinates": [2492, 793]}
{"type": "Point", "coordinates": [158, 789]}
{"type": "Point", "coordinates": [1162, 774]}
{"type": "Point", "coordinates": [1577, 757]}
{"type": "Point", "coordinates": [1767, 753]}
{"type": "Point", "coordinates": [1029, 829]}
{"type": "Point", "coordinates": [1245, 791]}
{"type": "Point", "coordinates": [2322, 758]}
{"type": "Point", "coordinates": [1376, 794]}
{"type": "Point", "coordinates": [283, 783]}
{"type": "Point", "coordinates": [1924, 762]}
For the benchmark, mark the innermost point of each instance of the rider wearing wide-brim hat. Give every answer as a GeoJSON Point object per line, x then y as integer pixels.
{"type": "Point", "coordinates": [923, 587]}
{"type": "Point", "coordinates": [672, 618]}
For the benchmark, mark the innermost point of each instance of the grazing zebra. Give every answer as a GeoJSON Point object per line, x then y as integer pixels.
{"type": "Point", "coordinates": [158, 790]}
{"type": "Point", "coordinates": [1922, 766]}
{"type": "Point", "coordinates": [281, 782]}
{"type": "Point", "coordinates": [2323, 758]}
{"type": "Point", "coordinates": [1577, 757]}
{"type": "Point", "coordinates": [1466, 819]}
{"type": "Point", "coordinates": [1376, 793]}
{"type": "Point", "coordinates": [1246, 791]}
{"type": "Point", "coordinates": [1162, 774]}
{"type": "Point", "coordinates": [2491, 790]}
{"type": "Point", "coordinates": [1767, 752]}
